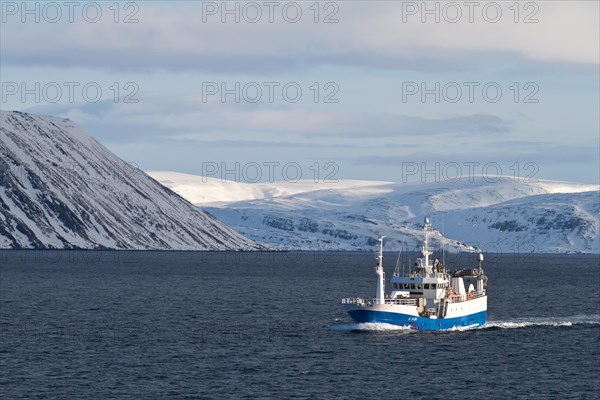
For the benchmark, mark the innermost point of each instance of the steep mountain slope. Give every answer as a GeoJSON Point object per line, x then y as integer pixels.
{"type": "Point", "coordinates": [503, 215]}
{"type": "Point", "coordinates": [59, 188]}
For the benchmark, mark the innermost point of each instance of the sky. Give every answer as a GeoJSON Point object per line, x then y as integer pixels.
{"type": "Point", "coordinates": [370, 90]}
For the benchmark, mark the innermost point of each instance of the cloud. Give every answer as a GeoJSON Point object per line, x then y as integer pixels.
{"type": "Point", "coordinates": [528, 154]}
{"type": "Point", "coordinates": [368, 34]}
{"type": "Point", "coordinates": [176, 133]}
{"type": "Point", "coordinates": [161, 119]}
{"type": "Point", "coordinates": [369, 52]}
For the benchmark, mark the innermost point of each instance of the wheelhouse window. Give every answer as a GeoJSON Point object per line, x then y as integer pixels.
{"type": "Point", "coordinates": [412, 285]}
{"type": "Point", "coordinates": [433, 285]}
{"type": "Point", "coordinates": [426, 286]}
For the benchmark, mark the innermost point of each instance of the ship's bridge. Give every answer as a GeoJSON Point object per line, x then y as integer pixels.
{"type": "Point", "coordinates": [429, 287]}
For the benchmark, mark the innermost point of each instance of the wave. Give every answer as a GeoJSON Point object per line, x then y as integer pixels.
{"type": "Point", "coordinates": [508, 324]}
{"type": "Point", "coordinates": [369, 326]}
{"type": "Point", "coordinates": [544, 321]}
{"type": "Point", "coordinates": [462, 328]}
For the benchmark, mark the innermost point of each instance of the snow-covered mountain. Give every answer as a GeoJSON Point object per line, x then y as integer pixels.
{"type": "Point", "coordinates": [60, 188]}
{"type": "Point", "coordinates": [504, 216]}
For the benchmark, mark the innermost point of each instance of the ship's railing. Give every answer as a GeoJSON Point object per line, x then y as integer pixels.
{"type": "Point", "coordinates": [370, 302]}
{"type": "Point", "coordinates": [443, 275]}
{"type": "Point", "coordinates": [404, 302]}
{"type": "Point", "coordinates": [456, 298]}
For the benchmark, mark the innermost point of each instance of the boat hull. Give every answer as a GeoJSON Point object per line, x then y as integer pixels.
{"type": "Point", "coordinates": [417, 322]}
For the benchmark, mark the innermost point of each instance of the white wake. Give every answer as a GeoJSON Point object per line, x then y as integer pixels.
{"type": "Point", "coordinates": [369, 326]}
{"type": "Point", "coordinates": [544, 321]}
{"type": "Point", "coordinates": [516, 323]}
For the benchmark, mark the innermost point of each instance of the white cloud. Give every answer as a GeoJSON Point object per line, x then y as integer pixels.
{"type": "Point", "coordinates": [159, 118]}
{"type": "Point", "coordinates": [172, 52]}
{"type": "Point", "coordinates": [368, 33]}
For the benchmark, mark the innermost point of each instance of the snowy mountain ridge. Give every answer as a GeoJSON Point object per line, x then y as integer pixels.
{"type": "Point", "coordinates": [60, 188]}
{"type": "Point", "coordinates": [503, 215]}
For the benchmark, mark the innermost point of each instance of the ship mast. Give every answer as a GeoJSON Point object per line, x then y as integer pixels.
{"type": "Point", "coordinates": [380, 295]}
{"type": "Point", "coordinates": [425, 250]}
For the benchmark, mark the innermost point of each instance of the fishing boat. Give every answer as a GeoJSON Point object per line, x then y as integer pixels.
{"type": "Point", "coordinates": [428, 297]}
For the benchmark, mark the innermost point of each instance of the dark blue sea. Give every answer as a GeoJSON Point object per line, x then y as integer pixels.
{"type": "Point", "coordinates": [186, 325]}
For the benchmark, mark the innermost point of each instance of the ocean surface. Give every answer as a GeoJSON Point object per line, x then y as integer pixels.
{"type": "Point", "coordinates": [185, 325]}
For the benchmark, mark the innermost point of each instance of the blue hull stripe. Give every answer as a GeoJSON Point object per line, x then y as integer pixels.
{"type": "Point", "coordinates": [422, 323]}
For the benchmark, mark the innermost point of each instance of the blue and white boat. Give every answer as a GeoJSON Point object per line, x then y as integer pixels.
{"type": "Point", "coordinates": [428, 297]}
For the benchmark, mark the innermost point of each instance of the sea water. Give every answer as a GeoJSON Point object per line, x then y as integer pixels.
{"type": "Point", "coordinates": [145, 325]}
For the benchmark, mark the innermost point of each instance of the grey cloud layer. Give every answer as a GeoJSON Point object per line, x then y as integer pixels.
{"type": "Point", "coordinates": [193, 120]}
{"type": "Point", "coordinates": [368, 35]}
